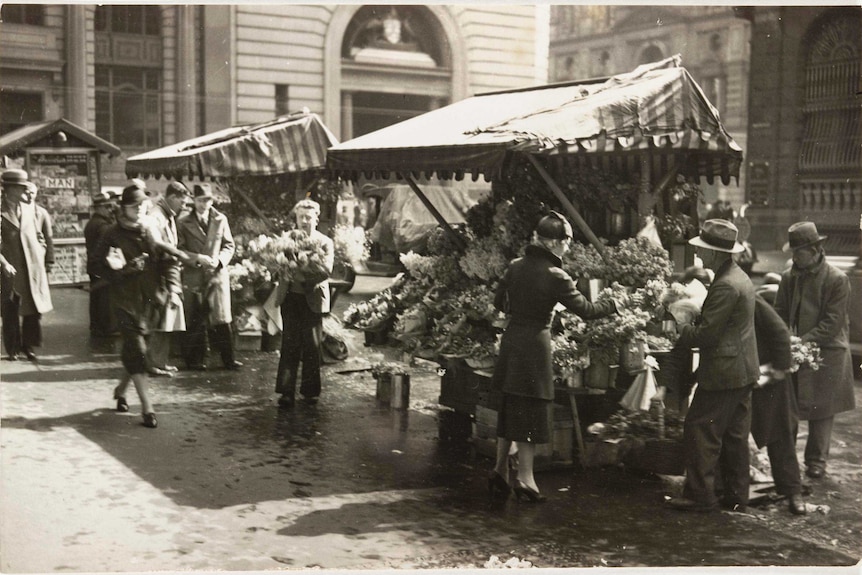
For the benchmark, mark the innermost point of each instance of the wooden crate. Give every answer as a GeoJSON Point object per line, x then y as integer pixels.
{"type": "Point", "coordinates": [248, 341]}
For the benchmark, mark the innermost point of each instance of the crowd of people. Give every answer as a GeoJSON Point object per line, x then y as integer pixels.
{"type": "Point", "coordinates": [158, 274]}
{"type": "Point", "coordinates": [157, 268]}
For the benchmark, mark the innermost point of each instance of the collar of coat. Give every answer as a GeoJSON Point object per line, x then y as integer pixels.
{"type": "Point", "coordinates": [539, 252]}
{"type": "Point", "coordinates": [813, 269]}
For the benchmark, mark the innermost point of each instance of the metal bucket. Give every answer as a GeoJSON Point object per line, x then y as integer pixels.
{"type": "Point", "coordinates": [400, 398]}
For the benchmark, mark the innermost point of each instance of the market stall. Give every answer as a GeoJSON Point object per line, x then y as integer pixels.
{"type": "Point", "coordinates": [264, 168]}
{"type": "Point", "coordinates": [614, 154]}
{"type": "Point", "coordinates": [64, 161]}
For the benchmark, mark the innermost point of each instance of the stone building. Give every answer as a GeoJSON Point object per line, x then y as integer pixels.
{"type": "Point", "coordinates": [145, 76]}
{"type": "Point", "coordinates": [804, 157]}
{"type": "Point", "coordinates": [597, 41]}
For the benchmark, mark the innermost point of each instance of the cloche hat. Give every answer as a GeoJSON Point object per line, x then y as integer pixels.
{"type": "Point", "coordinates": [718, 235]}
{"type": "Point", "coordinates": [554, 226]}
{"type": "Point", "coordinates": [800, 235]}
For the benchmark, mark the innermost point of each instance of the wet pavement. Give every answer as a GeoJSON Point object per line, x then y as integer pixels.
{"type": "Point", "coordinates": [231, 482]}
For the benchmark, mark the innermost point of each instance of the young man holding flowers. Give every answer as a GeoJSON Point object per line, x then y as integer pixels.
{"type": "Point", "coordinates": [303, 294]}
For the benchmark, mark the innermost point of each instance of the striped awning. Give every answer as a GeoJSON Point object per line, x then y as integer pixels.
{"type": "Point", "coordinates": [288, 144]}
{"type": "Point", "coordinates": [656, 113]}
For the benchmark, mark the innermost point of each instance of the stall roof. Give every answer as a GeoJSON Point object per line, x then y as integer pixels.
{"type": "Point", "coordinates": [35, 133]}
{"type": "Point", "coordinates": [658, 110]}
{"type": "Point", "coordinates": [293, 143]}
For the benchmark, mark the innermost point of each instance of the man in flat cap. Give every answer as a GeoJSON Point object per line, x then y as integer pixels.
{"type": "Point", "coordinates": [102, 322]}
{"type": "Point", "coordinates": [813, 299]}
{"type": "Point", "coordinates": [719, 418]}
{"type": "Point", "coordinates": [24, 278]}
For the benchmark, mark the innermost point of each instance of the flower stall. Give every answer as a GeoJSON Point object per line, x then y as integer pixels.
{"type": "Point", "coordinates": [608, 153]}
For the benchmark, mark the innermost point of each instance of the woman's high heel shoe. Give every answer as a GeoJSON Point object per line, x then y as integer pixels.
{"type": "Point", "coordinates": [122, 404]}
{"type": "Point", "coordinates": [150, 420]}
{"type": "Point", "coordinates": [498, 486]}
{"type": "Point", "coordinates": [530, 495]}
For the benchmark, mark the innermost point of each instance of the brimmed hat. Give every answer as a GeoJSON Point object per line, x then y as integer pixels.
{"type": "Point", "coordinates": [202, 192]}
{"type": "Point", "coordinates": [177, 189]}
{"type": "Point", "coordinates": [718, 235]}
{"type": "Point", "coordinates": [800, 235]}
{"type": "Point", "coordinates": [102, 198]}
{"type": "Point", "coordinates": [554, 227]}
{"type": "Point", "coordinates": [15, 177]}
{"type": "Point", "coordinates": [134, 194]}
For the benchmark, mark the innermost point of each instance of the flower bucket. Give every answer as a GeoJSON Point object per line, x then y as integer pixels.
{"type": "Point", "coordinates": [573, 378]}
{"type": "Point", "coordinates": [600, 376]}
{"type": "Point", "coordinates": [400, 391]}
{"type": "Point", "coordinates": [632, 356]}
{"type": "Point", "coordinates": [384, 388]}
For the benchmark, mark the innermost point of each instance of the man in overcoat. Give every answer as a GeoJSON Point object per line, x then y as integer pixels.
{"type": "Point", "coordinates": [719, 417]}
{"type": "Point", "coordinates": [23, 259]}
{"type": "Point", "coordinates": [169, 313]}
{"type": "Point", "coordinates": [102, 321]}
{"type": "Point", "coordinates": [206, 285]}
{"type": "Point", "coordinates": [813, 299]}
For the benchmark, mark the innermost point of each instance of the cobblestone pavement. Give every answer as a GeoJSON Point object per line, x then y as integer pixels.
{"type": "Point", "coordinates": [230, 482]}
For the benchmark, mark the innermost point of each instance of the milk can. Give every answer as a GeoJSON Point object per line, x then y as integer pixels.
{"type": "Point", "coordinates": [400, 398]}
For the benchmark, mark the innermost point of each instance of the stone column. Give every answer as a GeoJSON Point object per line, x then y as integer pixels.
{"type": "Point", "coordinates": [186, 72]}
{"type": "Point", "coordinates": [346, 116]}
{"type": "Point", "coordinates": [76, 66]}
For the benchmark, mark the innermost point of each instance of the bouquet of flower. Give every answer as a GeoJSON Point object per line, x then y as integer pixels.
{"type": "Point", "coordinates": [568, 349]}
{"type": "Point", "coordinates": [804, 353]}
{"type": "Point", "coordinates": [292, 255]}
{"type": "Point", "coordinates": [388, 368]}
{"type": "Point", "coordinates": [351, 245]}
{"type": "Point", "coordinates": [246, 273]}
{"type": "Point", "coordinates": [635, 261]}
{"type": "Point", "coordinates": [606, 335]}
{"type": "Point", "coordinates": [439, 270]}
{"type": "Point", "coordinates": [484, 260]}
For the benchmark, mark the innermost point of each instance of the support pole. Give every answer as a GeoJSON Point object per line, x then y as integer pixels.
{"type": "Point", "coordinates": [437, 215]}
{"type": "Point", "coordinates": [567, 205]}
{"type": "Point", "coordinates": [254, 208]}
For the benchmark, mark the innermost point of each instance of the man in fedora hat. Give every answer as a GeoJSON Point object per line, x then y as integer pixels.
{"type": "Point", "coordinates": [813, 299]}
{"type": "Point", "coordinates": [719, 418]}
{"type": "Point", "coordinates": [205, 234]}
{"type": "Point", "coordinates": [24, 257]}
{"type": "Point", "coordinates": [104, 216]}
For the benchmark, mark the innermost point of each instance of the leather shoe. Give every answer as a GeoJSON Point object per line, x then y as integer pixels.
{"type": "Point", "coordinates": [796, 504]}
{"type": "Point", "coordinates": [233, 366]}
{"type": "Point", "coordinates": [286, 401]}
{"type": "Point", "coordinates": [171, 368]}
{"type": "Point", "coordinates": [29, 354]}
{"type": "Point", "coordinates": [815, 472]}
{"type": "Point", "coordinates": [685, 504]}
{"type": "Point", "coordinates": [12, 357]}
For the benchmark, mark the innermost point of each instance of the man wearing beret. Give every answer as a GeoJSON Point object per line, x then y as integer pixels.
{"type": "Point", "coordinates": [719, 418]}
{"type": "Point", "coordinates": [23, 259]}
{"type": "Point", "coordinates": [104, 216]}
{"type": "Point", "coordinates": [813, 299]}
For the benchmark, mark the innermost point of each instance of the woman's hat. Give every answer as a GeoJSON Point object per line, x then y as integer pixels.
{"type": "Point", "coordinates": [202, 192]}
{"type": "Point", "coordinates": [134, 194]}
{"type": "Point", "coordinates": [102, 198]}
{"type": "Point", "coordinates": [800, 235]}
{"type": "Point", "coordinates": [554, 227]}
{"type": "Point", "coordinates": [718, 235]}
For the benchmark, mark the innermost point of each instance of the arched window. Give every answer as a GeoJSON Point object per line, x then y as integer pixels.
{"type": "Point", "coordinates": [651, 53]}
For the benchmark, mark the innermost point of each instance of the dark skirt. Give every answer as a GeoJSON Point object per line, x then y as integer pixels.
{"type": "Point", "coordinates": [526, 419]}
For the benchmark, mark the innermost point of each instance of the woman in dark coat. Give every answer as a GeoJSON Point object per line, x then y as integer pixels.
{"type": "Point", "coordinates": [528, 292]}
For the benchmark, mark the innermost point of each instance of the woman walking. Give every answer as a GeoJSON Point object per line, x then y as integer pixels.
{"type": "Point", "coordinates": [528, 292]}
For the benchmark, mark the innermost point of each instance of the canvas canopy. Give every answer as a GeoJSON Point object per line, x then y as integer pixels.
{"type": "Point", "coordinates": [288, 144]}
{"type": "Point", "coordinates": [656, 111]}
{"type": "Point", "coordinates": [38, 133]}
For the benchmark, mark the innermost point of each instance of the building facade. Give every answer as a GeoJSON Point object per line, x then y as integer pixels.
{"type": "Point", "coordinates": [804, 156]}
{"type": "Point", "coordinates": [598, 41]}
{"type": "Point", "coordinates": [146, 76]}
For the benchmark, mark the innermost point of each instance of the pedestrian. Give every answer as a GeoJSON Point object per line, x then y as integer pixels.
{"type": "Point", "coordinates": [206, 285]}
{"type": "Point", "coordinates": [127, 264]}
{"type": "Point", "coordinates": [303, 304]}
{"type": "Point", "coordinates": [774, 413]}
{"type": "Point", "coordinates": [813, 299]}
{"type": "Point", "coordinates": [169, 314]}
{"type": "Point", "coordinates": [530, 289]}
{"type": "Point", "coordinates": [25, 256]}
{"type": "Point", "coordinates": [719, 417]}
{"type": "Point", "coordinates": [102, 322]}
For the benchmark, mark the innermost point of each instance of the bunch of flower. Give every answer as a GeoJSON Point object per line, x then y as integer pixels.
{"type": "Point", "coordinates": [246, 273]}
{"type": "Point", "coordinates": [639, 425]}
{"type": "Point", "coordinates": [385, 305]}
{"type": "Point", "coordinates": [351, 245]}
{"type": "Point", "coordinates": [606, 335]}
{"type": "Point", "coordinates": [477, 303]}
{"type": "Point", "coordinates": [804, 353]}
{"type": "Point", "coordinates": [673, 227]}
{"type": "Point", "coordinates": [635, 261]}
{"type": "Point", "coordinates": [435, 270]}
{"type": "Point", "coordinates": [584, 261]}
{"type": "Point", "coordinates": [288, 255]}
{"type": "Point", "coordinates": [484, 260]}
{"type": "Point", "coordinates": [389, 368]}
